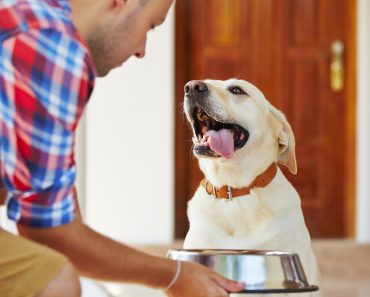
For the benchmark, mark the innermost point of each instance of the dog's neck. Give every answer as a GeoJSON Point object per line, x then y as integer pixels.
{"type": "Point", "coordinates": [228, 192]}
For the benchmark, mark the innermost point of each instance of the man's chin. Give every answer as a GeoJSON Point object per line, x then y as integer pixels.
{"type": "Point", "coordinates": [102, 74]}
{"type": "Point", "coordinates": [103, 71]}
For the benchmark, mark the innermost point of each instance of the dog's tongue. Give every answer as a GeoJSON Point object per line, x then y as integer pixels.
{"type": "Point", "coordinates": [221, 142]}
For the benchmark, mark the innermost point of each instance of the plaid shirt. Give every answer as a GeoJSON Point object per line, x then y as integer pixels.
{"type": "Point", "coordinates": [46, 78]}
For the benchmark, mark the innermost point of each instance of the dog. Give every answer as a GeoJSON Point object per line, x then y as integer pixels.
{"type": "Point", "coordinates": [245, 201]}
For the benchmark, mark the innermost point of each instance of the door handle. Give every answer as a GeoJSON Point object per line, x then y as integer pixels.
{"type": "Point", "coordinates": [336, 66]}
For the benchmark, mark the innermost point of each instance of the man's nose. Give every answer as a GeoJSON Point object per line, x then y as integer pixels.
{"type": "Point", "coordinates": [195, 88]}
{"type": "Point", "coordinates": [140, 51]}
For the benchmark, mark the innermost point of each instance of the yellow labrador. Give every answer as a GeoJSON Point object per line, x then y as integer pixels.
{"type": "Point", "coordinates": [245, 201]}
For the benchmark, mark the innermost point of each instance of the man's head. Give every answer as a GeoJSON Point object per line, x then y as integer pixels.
{"type": "Point", "coordinates": [114, 30]}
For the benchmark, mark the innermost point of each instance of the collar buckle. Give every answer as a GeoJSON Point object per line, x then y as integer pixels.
{"type": "Point", "coordinates": [229, 192]}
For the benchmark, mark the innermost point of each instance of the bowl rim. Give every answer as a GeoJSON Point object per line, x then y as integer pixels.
{"type": "Point", "coordinates": [231, 252]}
{"type": "Point", "coordinates": [309, 288]}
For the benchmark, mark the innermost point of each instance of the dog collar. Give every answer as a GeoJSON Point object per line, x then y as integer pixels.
{"type": "Point", "coordinates": [227, 192]}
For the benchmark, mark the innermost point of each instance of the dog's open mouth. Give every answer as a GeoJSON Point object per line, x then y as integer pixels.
{"type": "Point", "coordinates": [214, 138]}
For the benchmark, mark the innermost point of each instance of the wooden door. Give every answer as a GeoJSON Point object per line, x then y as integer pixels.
{"type": "Point", "coordinates": [283, 47]}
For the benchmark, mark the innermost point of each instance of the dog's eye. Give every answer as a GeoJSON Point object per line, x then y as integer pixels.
{"type": "Point", "coordinates": [237, 91]}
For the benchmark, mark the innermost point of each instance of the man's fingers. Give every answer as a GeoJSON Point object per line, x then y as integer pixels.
{"type": "Point", "coordinates": [229, 285]}
{"type": "Point", "coordinates": [198, 280]}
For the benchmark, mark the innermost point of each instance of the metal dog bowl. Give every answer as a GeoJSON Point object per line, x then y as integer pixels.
{"type": "Point", "coordinates": [261, 271]}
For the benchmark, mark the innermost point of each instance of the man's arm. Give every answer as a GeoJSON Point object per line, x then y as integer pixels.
{"type": "Point", "coordinates": [97, 256]}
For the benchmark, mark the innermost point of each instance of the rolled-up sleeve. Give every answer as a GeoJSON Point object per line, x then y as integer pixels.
{"type": "Point", "coordinates": [45, 82]}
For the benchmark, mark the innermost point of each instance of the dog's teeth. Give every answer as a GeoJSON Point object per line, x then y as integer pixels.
{"type": "Point", "coordinates": [241, 136]}
{"type": "Point", "coordinates": [203, 116]}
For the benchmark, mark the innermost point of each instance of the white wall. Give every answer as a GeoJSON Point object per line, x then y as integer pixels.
{"type": "Point", "coordinates": [363, 123]}
{"type": "Point", "coordinates": [129, 146]}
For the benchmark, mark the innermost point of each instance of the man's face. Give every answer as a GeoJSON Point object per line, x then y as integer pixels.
{"type": "Point", "coordinates": [122, 35]}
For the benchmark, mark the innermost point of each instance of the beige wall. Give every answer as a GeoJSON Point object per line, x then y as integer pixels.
{"type": "Point", "coordinates": [363, 123]}
{"type": "Point", "coordinates": [126, 149]}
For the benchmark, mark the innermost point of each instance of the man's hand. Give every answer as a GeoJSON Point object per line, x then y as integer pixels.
{"type": "Point", "coordinates": [198, 281]}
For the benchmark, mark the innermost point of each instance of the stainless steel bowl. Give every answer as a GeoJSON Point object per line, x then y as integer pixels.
{"type": "Point", "coordinates": [261, 271]}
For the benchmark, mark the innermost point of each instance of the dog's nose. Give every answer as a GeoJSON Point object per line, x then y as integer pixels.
{"type": "Point", "coordinates": [195, 87]}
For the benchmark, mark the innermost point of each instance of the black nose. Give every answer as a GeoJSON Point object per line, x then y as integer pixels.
{"type": "Point", "coordinates": [195, 87]}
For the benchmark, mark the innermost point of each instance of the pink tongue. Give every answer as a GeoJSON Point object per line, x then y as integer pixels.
{"type": "Point", "coordinates": [221, 142]}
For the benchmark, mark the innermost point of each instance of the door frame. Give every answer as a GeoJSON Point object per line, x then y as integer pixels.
{"type": "Point", "coordinates": [182, 156]}
{"type": "Point", "coordinates": [181, 76]}
{"type": "Point", "coordinates": [351, 127]}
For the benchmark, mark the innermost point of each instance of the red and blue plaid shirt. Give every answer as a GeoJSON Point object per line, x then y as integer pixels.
{"type": "Point", "coordinates": [46, 78]}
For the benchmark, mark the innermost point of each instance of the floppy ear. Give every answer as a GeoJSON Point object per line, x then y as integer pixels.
{"type": "Point", "coordinates": [286, 141]}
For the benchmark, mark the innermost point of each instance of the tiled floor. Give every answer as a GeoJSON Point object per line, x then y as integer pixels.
{"type": "Point", "coordinates": [345, 268]}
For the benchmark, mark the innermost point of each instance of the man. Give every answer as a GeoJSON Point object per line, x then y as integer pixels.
{"type": "Point", "coordinates": [50, 53]}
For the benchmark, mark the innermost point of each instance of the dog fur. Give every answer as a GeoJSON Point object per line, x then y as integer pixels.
{"type": "Point", "coordinates": [269, 218]}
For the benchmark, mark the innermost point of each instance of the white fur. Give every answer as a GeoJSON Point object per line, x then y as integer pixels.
{"type": "Point", "coordinates": [269, 218]}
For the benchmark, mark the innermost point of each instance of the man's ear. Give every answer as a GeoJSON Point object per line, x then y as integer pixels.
{"type": "Point", "coordinates": [286, 141]}
{"type": "Point", "coordinates": [118, 4]}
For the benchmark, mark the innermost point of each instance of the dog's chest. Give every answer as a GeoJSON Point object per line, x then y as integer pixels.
{"type": "Point", "coordinates": [236, 217]}
{"type": "Point", "coordinates": [244, 222]}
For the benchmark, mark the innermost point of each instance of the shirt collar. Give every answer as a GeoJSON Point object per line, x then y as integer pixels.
{"type": "Point", "coordinates": [65, 5]}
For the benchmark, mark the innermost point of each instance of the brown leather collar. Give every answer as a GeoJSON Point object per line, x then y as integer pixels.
{"type": "Point", "coordinates": [227, 192]}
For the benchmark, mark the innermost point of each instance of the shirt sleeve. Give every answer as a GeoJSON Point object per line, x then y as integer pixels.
{"type": "Point", "coordinates": [45, 82]}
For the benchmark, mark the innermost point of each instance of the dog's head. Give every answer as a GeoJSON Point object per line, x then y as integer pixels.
{"type": "Point", "coordinates": [236, 130]}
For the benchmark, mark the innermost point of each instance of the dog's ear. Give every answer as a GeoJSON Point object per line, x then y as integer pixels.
{"type": "Point", "coordinates": [286, 140]}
